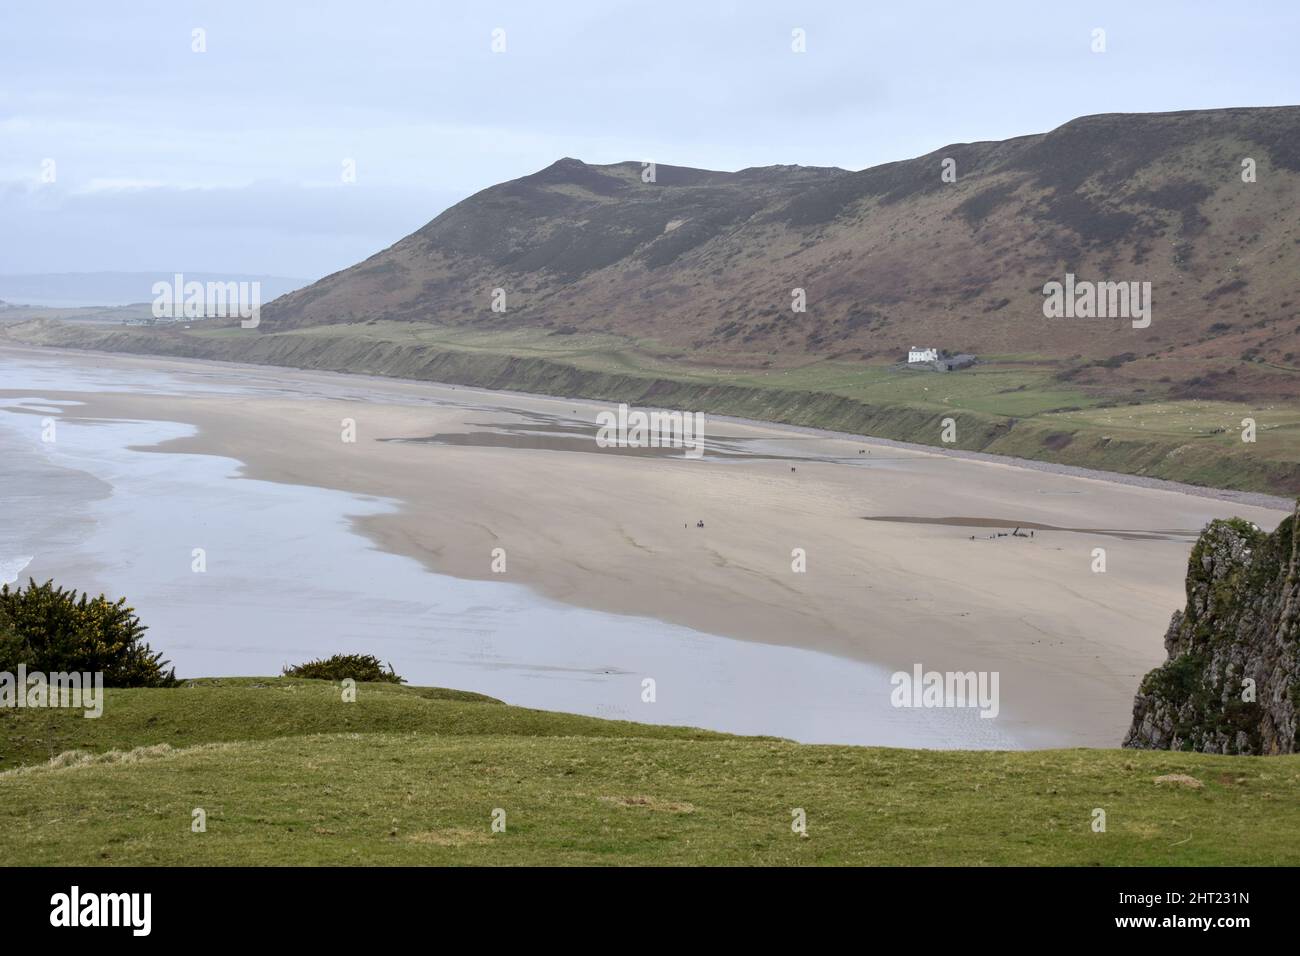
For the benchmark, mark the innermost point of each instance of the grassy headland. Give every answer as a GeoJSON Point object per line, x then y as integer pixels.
{"type": "Point", "coordinates": [287, 773]}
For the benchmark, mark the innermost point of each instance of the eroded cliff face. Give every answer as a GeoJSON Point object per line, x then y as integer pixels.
{"type": "Point", "coordinates": [1232, 681]}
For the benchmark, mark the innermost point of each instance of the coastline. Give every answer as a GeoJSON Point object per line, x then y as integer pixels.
{"type": "Point", "coordinates": [607, 535]}
{"type": "Point", "coordinates": [286, 577]}
{"type": "Point", "coordinates": [1254, 499]}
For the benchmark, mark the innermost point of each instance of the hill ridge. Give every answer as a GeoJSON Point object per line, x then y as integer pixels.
{"type": "Point", "coordinates": [887, 256]}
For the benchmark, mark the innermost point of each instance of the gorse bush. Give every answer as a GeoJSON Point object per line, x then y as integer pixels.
{"type": "Point", "coordinates": [360, 667]}
{"type": "Point", "coordinates": [51, 629]}
{"type": "Point", "coordinates": [11, 644]}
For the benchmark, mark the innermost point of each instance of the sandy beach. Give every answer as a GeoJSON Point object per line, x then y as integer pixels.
{"type": "Point", "coordinates": [908, 560]}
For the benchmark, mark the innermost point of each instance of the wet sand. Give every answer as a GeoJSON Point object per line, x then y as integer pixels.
{"type": "Point", "coordinates": [618, 533]}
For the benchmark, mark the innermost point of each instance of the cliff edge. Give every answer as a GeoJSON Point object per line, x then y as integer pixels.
{"type": "Point", "coordinates": [1231, 684]}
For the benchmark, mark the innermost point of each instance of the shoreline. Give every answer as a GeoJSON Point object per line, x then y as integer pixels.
{"type": "Point", "coordinates": [1249, 498]}
{"type": "Point", "coordinates": [595, 531]}
{"type": "Point", "coordinates": [505, 639]}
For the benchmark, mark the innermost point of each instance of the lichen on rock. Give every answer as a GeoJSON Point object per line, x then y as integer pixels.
{"type": "Point", "coordinates": [1231, 684]}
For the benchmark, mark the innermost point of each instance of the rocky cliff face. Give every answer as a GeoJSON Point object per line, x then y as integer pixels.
{"type": "Point", "coordinates": [1232, 681]}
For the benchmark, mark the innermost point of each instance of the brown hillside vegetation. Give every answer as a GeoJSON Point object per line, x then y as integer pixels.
{"type": "Point", "coordinates": [704, 262]}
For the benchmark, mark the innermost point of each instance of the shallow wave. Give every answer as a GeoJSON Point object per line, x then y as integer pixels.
{"type": "Point", "coordinates": [12, 568]}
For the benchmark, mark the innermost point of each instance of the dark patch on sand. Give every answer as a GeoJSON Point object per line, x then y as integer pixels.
{"type": "Point", "coordinates": [1132, 534]}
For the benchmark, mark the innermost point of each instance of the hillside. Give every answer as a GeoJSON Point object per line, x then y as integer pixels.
{"type": "Point", "coordinates": [288, 774]}
{"type": "Point", "coordinates": [704, 262]}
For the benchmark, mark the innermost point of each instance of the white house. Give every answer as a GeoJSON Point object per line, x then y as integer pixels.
{"type": "Point", "coordinates": [915, 354]}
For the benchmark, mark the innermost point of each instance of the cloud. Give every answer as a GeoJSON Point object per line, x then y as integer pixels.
{"type": "Point", "coordinates": [304, 231]}
{"type": "Point", "coordinates": [235, 153]}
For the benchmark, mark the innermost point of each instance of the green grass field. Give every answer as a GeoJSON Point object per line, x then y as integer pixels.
{"type": "Point", "coordinates": [287, 773]}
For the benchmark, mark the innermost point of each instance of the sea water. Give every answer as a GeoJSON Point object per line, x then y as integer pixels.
{"type": "Point", "coordinates": [237, 576]}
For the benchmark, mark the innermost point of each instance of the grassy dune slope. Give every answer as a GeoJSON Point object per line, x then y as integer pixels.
{"type": "Point", "coordinates": [289, 774]}
{"type": "Point", "coordinates": [1008, 405]}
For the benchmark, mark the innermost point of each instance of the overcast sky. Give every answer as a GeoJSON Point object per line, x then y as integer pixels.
{"type": "Point", "coordinates": [231, 160]}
